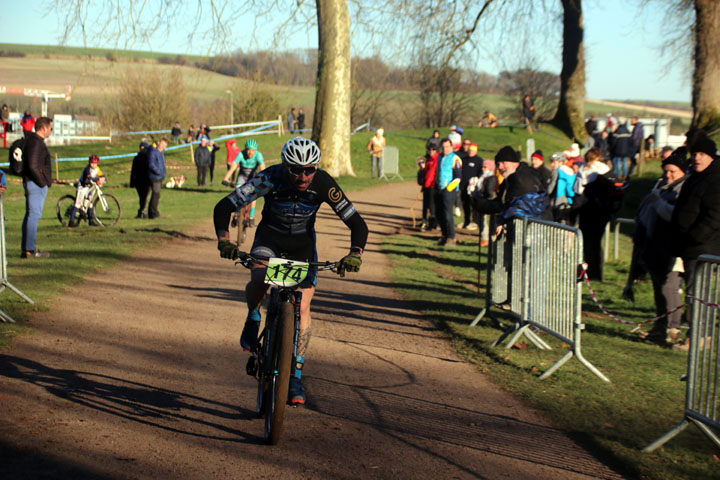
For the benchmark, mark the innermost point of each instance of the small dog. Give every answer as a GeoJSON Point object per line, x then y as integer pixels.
{"type": "Point", "coordinates": [176, 182]}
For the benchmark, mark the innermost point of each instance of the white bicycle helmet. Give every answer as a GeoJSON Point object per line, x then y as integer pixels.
{"type": "Point", "coordinates": [300, 151]}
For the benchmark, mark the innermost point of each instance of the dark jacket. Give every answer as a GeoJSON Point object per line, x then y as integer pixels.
{"type": "Point", "coordinates": [696, 217]}
{"type": "Point", "coordinates": [621, 144]}
{"type": "Point", "coordinates": [202, 156]}
{"type": "Point", "coordinates": [36, 161]}
{"type": "Point", "coordinates": [472, 167]}
{"type": "Point", "coordinates": [519, 183]}
{"type": "Point", "coordinates": [638, 134]}
{"type": "Point", "coordinates": [156, 164]}
{"type": "Point", "coordinates": [434, 142]}
{"type": "Point", "coordinates": [139, 173]}
{"type": "Point", "coordinates": [544, 175]}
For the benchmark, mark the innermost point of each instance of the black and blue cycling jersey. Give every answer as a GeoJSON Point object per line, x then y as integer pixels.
{"type": "Point", "coordinates": [289, 214]}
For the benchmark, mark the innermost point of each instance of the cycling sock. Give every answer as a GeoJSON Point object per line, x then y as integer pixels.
{"type": "Point", "coordinates": [252, 212]}
{"type": "Point", "coordinates": [254, 315]}
{"type": "Point", "coordinates": [297, 370]}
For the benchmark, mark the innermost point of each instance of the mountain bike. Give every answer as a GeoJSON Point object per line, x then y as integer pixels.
{"type": "Point", "coordinates": [106, 210]}
{"type": "Point", "coordinates": [271, 361]}
{"type": "Point", "coordinates": [241, 220]}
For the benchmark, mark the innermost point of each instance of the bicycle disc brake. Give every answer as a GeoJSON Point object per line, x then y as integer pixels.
{"type": "Point", "coordinates": [252, 367]}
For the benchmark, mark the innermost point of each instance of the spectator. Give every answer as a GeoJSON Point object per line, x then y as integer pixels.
{"type": "Point", "coordinates": [175, 132]}
{"type": "Point", "coordinates": [156, 174]}
{"type": "Point", "coordinates": [488, 120]}
{"type": "Point", "coordinates": [202, 161]}
{"type": "Point", "coordinates": [519, 194]}
{"type": "Point", "coordinates": [528, 108]}
{"type": "Point", "coordinates": [37, 178]}
{"type": "Point", "coordinates": [696, 217]}
{"type": "Point", "coordinates": [191, 134]}
{"type": "Point", "coordinates": [375, 146]}
{"type": "Point", "coordinates": [292, 120]}
{"type": "Point", "coordinates": [650, 150]}
{"type": "Point", "coordinates": [428, 189]}
{"type": "Point", "coordinates": [213, 150]}
{"type": "Point", "coordinates": [471, 171]}
{"type": "Point", "coordinates": [301, 120]}
{"type": "Point", "coordinates": [591, 126]}
{"type": "Point", "coordinates": [666, 151]}
{"type": "Point", "coordinates": [611, 123]}
{"type": "Point", "coordinates": [485, 188]}
{"type": "Point", "coordinates": [5, 119]}
{"type": "Point", "coordinates": [573, 154]}
{"type": "Point", "coordinates": [560, 189]}
{"type": "Point", "coordinates": [602, 143]}
{"type": "Point", "coordinates": [434, 141]}
{"type": "Point", "coordinates": [638, 133]}
{"type": "Point", "coordinates": [455, 137]}
{"type": "Point", "coordinates": [232, 151]}
{"type": "Point", "coordinates": [653, 253]}
{"type": "Point", "coordinates": [204, 131]}
{"type": "Point", "coordinates": [537, 162]}
{"type": "Point", "coordinates": [464, 149]}
{"type": "Point", "coordinates": [593, 212]}
{"type": "Point", "coordinates": [621, 149]}
{"type": "Point", "coordinates": [447, 178]}
{"type": "Point", "coordinates": [28, 123]}
{"type": "Point", "coordinates": [140, 178]}
{"type": "Point", "coordinates": [3, 182]}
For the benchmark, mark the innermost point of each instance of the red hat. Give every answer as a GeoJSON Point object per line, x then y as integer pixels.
{"type": "Point", "coordinates": [537, 155]}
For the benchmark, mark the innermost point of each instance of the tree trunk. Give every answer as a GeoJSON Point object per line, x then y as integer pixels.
{"type": "Point", "coordinates": [705, 83]}
{"type": "Point", "coordinates": [571, 109]}
{"type": "Point", "coordinates": [331, 122]}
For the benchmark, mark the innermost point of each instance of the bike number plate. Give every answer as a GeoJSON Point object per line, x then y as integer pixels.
{"type": "Point", "coordinates": [285, 273]}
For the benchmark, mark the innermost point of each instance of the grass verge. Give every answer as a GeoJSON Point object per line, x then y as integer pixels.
{"type": "Point", "coordinates": [616, 420]}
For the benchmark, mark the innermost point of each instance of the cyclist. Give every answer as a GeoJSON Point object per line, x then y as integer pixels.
{"type": "Point", "coordinates": [91, 173]}
{"type": "Point", "coordinates": [250, 162]}
{"type": "Point", "coordinates": [293, 191]}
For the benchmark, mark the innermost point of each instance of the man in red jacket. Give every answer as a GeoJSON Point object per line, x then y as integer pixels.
{"type": "Point", "coordinates": [37, 177]}
{"type": "Point", "coordinates": [28, 123]}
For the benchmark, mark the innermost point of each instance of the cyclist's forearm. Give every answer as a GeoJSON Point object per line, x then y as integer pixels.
{"type": "Point", "coordinates": [358, 231]}
{"type": "Point", "coordinates": [221, 218]}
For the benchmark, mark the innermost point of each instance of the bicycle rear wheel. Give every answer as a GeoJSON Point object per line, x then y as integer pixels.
{"type": "Point", "coordinates": [107, 213]}
{"type": "Point", "coordinates": [241, 226]}
{"type": "Point", "coordinates": [64, 209]}
{"type": "Point", "coordinates": [277, 392]}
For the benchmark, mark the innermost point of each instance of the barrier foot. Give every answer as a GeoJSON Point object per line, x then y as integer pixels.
{"type": "Point", "coordinates": [505, 334]}
{"type": "Point", "coordinates": [12, 287]}
{"type": "Point", "coordinates": [536, 340]}
{"type": "Point", "coordinates": [479, 317]}
{"type": "Point", "coordinates": [590, 366]}
{"type": "Point", "coordinates": [556, 365]}
{"type": "Point", "coordinates": [706, 430]}
{"type": "Point", "coordinates": [667, 436]}
{"type": "Point", "coordinates": [6, 318]}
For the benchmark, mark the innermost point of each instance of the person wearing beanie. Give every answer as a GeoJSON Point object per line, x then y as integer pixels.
{"type": "Point", "coordinates": [471, 171]}
{"type": "Point", "coordinates": [537, 162]}
{"type": "Point", "coordinates": [484, 189]}
{"type": "Point", "coordinates": [653, 253]}
{"type": "Point", "coordinates": [696, 216]}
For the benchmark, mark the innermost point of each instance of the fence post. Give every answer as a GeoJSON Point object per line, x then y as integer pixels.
{"type": "Point", "coordinates": [281, 128]}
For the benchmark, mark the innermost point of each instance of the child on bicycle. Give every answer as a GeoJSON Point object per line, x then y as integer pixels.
{"type": "Point", "coordinates": [91, 173]}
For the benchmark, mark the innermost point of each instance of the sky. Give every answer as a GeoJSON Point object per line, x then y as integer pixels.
{"type": "Point", "coordinates": [622, 47]}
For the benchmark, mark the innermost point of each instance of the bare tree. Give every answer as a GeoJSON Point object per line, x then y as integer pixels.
{"type": "Point", "coordinates": [706, 75]}
{"type": "Point", "coordinates": [571, 109]}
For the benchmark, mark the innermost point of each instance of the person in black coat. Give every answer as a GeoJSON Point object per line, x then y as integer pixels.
{"type": "Point", "coordinates": [621, 149]}
{"type": "Point", "coordinates": [472, 168]}
{"type": "Point", "coordinates": [139, 178]}
{"type": "Point", "coordinates": [537, 161]}
{"type": "Point", "coordinates": [37, 179]}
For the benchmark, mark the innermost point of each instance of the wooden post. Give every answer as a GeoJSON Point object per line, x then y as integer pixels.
{"type": "Point", "coordinates": [281, 130]}
{"type": "Point", "coordinates": [57, 173]}
{"type": "Point", "coordinates": [192, 155]}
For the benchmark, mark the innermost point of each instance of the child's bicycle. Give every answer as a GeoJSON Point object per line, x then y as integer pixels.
{"type": "Point", "coordinates": [105, 208]}
{"type": "Point", "coordinates": [271, 361]}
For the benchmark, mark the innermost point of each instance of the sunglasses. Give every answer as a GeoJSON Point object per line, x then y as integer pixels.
{"type": "Point", "coordinates": [297, 171]}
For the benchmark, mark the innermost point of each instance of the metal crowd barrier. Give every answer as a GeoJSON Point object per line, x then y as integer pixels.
{"type": "Point", "coordinates": [702, 397]}
{"type": "Point", "coordinates": [4, 282]}
{"type": "Point", "coordinates": [534, 271]}
{"type": "Point", "coordinates": [617, 222]}
{"type": "Point", "coordinates": [390, 163]}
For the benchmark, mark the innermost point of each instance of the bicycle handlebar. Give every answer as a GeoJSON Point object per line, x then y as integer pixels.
{"type": "Point", "coordinates": [247, 260]}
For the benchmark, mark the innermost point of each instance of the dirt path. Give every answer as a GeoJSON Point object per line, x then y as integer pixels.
{"type": "Point", "coordinates": [147, 380]}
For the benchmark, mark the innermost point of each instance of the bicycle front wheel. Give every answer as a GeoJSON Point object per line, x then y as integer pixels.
{"type": "Point", "coordinates": [106, 210]}
{"type": "Point", "coordinates": [241, 229]}
{"type": "Point", "coordinates": [64, 209]}
{"type": "Point", "coordinates": [277, 394]}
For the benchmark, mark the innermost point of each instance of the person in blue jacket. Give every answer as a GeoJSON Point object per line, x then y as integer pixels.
{"type": "Point", "coordinates": [447, 180]}
{"type": "Point", "coordinates": [156, 174]}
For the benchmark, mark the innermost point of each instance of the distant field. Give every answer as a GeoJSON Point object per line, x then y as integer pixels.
{"type": "Point", "coordinates": [95, 79]}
